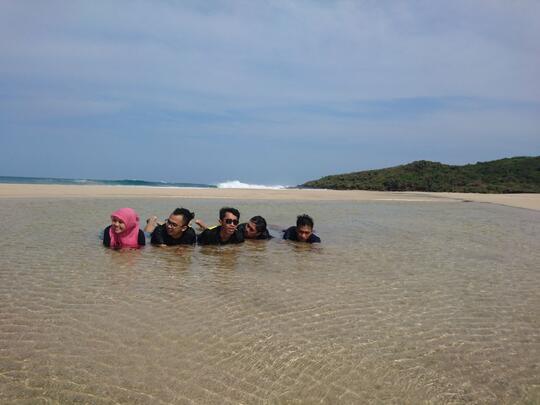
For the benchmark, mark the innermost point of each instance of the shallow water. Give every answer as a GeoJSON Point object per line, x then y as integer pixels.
{"type": "Point", "coordinates": [401, 303]}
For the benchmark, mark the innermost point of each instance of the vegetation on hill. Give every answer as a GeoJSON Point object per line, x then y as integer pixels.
{"type": "Point", "coordinates": [511, 175]}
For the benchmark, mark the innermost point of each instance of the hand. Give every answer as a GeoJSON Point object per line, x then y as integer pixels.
{"type": "Point", "coordinates": [200, 223]}
{"type": "Point", "coordinates": [151, 224]}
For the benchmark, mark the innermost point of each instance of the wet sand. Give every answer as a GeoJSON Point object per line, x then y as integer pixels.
{"type": "Point", "coordinates": [529, 201]}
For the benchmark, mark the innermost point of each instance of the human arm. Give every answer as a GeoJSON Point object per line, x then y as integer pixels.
{"type": "Point", "coordinates": [151, 224]}
{"type": "Point", "coordinates": [290, 233]}
{"type": "Point", "coordinates": [156, 238]}
{"type": "Point", "coordinates": [141, 239]}
{"type": "Point", "coordinates": [107, 237]}
{"type": "Point", "coordinates": [200, 223]}
{"type": "Point", "coordinates": [202, 238]}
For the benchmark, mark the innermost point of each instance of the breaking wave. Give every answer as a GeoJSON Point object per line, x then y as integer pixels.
{"type": "Point", "coordinates": [238, 184]}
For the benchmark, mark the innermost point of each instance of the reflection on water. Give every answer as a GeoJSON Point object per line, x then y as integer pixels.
{"type": "Point", "coordinates": [402, 303]}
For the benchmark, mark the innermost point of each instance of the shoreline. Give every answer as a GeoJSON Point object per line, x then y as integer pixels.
{"type": "Point", "coordinates": [10, 190]}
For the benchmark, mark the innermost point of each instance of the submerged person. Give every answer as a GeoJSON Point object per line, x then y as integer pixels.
{"type": "Point", "coordinates": [225, 233]}
{"type": "Point", "coordinates": [124, 230]}
{"type": "Point", "coordinates": [255, 228]}
{"type": "Point", "coordinates": [303, 231]}
{"type": "Point", "coordinates": [175, 231]}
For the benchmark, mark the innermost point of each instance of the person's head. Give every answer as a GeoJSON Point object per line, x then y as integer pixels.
{"type": "Point", "coordinates": [178, 222]}
{"type": "Point", "coordinates": [124, 220]}
{"type": "Point", "coordinates": [255, 227]}
{"type": "Point", "coordinates": [229, 218]}
{"type": "Point", "coordinates": [304, 227]}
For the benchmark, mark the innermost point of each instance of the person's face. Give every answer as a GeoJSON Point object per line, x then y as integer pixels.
{"type": "Point", "coordinates": [250, 231]}
{"type": "Point", "coordinates": [118, 226]}
{"type": "Point", "coordinates": [175, 225]}
{"type": "Point", "coordinates": [229, 223]}
{"type": "Point", "coordinates": [303, 233]}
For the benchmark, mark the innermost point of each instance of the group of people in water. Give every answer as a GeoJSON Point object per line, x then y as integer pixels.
{"type": "Point", "coordinates": [124, 231]}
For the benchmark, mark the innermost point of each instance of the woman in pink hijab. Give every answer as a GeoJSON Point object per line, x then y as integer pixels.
{"type": "Point", "coordinates": [124, 230]}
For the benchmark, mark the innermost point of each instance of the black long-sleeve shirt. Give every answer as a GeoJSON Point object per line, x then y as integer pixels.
{"type": "Point", "coordinates": [212, 237]}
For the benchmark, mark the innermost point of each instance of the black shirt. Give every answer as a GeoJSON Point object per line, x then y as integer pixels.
{"type": "Point", "coordinates": [141, 239]}
{"type": "Point", "coordinates": [212, 237]}
{"type": "Point", "coordinates": [161, 237]}
{"type": "Point", "coordinates": [291, 234]}
{"type": "Point", "coordinates": [263, 235]}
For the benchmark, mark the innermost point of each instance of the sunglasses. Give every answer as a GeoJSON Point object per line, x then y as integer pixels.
{"type": "Point", "coordinates": [229, 221]}
{"type": "Point", "coordinates": [172, 224]}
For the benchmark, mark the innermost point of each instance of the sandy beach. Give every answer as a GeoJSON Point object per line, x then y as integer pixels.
{"type": "Point", "coordinates": [529, 201]}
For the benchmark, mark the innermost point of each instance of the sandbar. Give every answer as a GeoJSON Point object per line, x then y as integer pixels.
{"type": "Point", "coordinates": [528, 201]}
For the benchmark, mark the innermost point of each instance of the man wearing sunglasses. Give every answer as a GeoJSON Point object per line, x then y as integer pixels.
{"type": "Point", "coordinates": [226, 233]}
{"type": "Point", "coordinates": [175, 231]}
{"type": "Point", "coordinates": [255, 228]}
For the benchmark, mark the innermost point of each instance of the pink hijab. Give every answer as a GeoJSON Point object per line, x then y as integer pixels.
{"type": "Point", "coordinates": [129, 238]}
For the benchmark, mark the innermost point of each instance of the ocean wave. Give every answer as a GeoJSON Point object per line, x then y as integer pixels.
{"type": "Point", "coordinates": [239, 184]}
{"type": "Point", "coordinates": [125, 182]}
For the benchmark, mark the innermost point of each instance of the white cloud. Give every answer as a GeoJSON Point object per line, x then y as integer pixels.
{"type": "Point", "coordinates": [300, 50]}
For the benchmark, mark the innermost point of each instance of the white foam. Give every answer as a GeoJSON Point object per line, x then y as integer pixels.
{"type": "Point", "coordinates": [239, 184]}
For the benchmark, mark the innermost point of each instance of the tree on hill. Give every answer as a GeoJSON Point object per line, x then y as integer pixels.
{"type": "Point", "coordinates": [510, 175]}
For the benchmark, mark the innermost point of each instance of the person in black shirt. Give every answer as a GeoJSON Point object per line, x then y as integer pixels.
{"type": "Point", "coordinates": [124, 230]}
{"type": "Point", "coordinates": [175, 231]}
{"type": "Point", "coordinates": [254, 229]}
{"type": "Point", "coordinates": [227, 232]}
{"type": "Point", "coordinates": [303, 231]}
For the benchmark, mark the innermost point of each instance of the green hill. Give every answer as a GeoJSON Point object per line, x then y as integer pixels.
{"type": "Point", "coordinates": [511, 175]}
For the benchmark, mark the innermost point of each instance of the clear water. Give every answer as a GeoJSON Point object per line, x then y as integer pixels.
{"type": "Point", "coordinates": [401, 303]}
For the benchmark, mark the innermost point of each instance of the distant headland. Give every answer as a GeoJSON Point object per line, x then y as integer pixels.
{"type": "Point", "coordinates": [510, 175]}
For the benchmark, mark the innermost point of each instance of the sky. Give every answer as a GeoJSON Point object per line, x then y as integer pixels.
{"type": "Point", "coordinates": [264, 92]}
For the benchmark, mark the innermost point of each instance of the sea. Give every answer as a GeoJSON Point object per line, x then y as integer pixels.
{"type": "Point", "coordinates": [131, 183]}
{"type": "Point", "coordinates": [403, 302]}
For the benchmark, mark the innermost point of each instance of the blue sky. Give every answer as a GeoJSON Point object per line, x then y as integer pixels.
{"type": "Point", "coordinates": [266, 92]}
